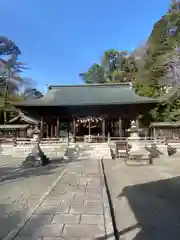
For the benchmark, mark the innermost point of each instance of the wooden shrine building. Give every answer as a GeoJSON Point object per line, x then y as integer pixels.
{"type": "Point", "coordinates": [80, 110]}
{"type": "Point", "coordinates": [18, 126]}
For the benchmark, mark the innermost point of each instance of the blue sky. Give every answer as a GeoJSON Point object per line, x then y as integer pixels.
{"type": "Point", "coordinates": [61, 38]}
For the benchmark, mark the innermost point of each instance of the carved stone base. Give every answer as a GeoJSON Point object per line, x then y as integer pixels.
{"type": "Point", "coordinates": [36, 158]}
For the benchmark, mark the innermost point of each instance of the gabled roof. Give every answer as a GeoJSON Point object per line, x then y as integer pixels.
{"type": "Point", "coordinates": [23, 117]}
{"type": "Point", "coordinates": [89, 94]}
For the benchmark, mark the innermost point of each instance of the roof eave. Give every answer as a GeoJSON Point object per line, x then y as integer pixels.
{"type": "Point", "coordinates": [149, 101]}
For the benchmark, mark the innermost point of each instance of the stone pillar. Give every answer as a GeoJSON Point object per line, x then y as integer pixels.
{"type": "Point", "coordinates": [57, 128]}
{"type": "Point", "coordinates": [120, 127]}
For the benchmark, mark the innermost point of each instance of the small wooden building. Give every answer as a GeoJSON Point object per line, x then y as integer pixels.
{"type": "Point", "coordinates": [18, 126]}
{"type": "Point", "coordinates": [165, 129]}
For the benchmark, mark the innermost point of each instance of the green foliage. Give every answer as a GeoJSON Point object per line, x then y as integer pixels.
{"type": "Point", "coordinates": [114, 66]}
{"type": "Point", "coordinates": [11, 81]}
{"type": "Point", "coordinates": [95, 74]}
{"type": "Point", "coordinates": [161, 67]}
{"type": "Point", "coordinates": [32, 93]}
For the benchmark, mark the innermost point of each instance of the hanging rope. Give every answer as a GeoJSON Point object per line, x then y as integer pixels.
{"type": "Point", "coordinates": [88, 119]}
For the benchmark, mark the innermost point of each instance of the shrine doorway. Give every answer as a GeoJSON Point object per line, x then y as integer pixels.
{"type": "Point", "coordinates": [89, 126]}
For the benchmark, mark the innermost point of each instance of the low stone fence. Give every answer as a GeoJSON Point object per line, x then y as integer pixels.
{"type": "Point", "coordinates": [156, 147]}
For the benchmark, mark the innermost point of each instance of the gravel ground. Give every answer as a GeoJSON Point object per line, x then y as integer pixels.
{"type": "Point", "coordinates": [145, 199]}
{"type": "Point", "coordinates": [21, 190]}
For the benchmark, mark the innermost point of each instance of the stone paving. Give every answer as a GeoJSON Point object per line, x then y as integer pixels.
{"type": "Point", "coordinates": [21, 190]}
{"type": "Point", "coordinates": [74, 209]}
{"type": "Point", "coordinates": [145, 199]}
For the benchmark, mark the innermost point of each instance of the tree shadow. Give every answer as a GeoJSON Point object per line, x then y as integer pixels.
{"type": "Point", "coordinates": [171, 150]}
{"type": "Point", "coordinates": [12, 214]}
{"type": "Point", "coordinates": [9, 173]}
{"type": "Point", "coordinates": [13, 173]}
{"type": "Point", "coordinates": [32, 225]}
{"type": "Point", "coordinates": [10, 217]}
{"type": "Point", "coordinates": [153, 150]}
{"type": "Point", "coordinates": [156, 206]}
{"type": "Point", "coordinates": [8, 220]}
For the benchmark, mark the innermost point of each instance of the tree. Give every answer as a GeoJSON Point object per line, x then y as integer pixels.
{"type": "Point", "coordinates": [8, 47]}
{"type": "Point", "coordinates": [114, 66]}
{"type": "Point", "coordinates": [11, 80]}
{"type": "Point", "coordinates": [32, 93]}
{"type": "Point", "coordinates": [112, 60]}
{"type": "Point", "coordinates": [160, 70]}
{"type": "Point", "coordinates": [95, 74]}
{"type": "Point", "coordinates": [161, 67]}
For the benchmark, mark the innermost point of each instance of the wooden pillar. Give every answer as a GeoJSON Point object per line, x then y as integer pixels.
{"type": "Point", "coordinates": [25, 133]}
{"type": "Point", "coordinates": [74, 129]}
{"type": "Point", "coordinates": [51, 130]}
{"type": "Point", "coordinates": [137, 124]}
{"type": "Point", "coordinates": [120, 127]}
{"type": "Point", "coordinates": [41, 127]}
{"type": "Point", "coordinates": [154, 133]}
{"type": "Point", "coordinates": [47, 130]}
{"type": "Point", "coordinates": [103, 128]}
{"type": "Point", "coordinates": [89, 126]}
{"type": "Point", "coordinates": [57, 128]}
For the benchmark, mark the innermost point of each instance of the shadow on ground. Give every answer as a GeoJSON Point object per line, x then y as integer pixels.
{"type": "Point", "coordinates": [12, 214]}
{"type": "Point", "coordinates": [156, 206]}
{"type": "Point", "coordinates": [29, 230]}
{"type": "Point", "coordinates": [10, 172]}
{"type": "Point", "coordinates": [8, 220]}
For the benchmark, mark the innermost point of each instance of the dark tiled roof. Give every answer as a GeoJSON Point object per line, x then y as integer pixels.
{"type": "Point", "coordinates": [79, 95]}
{"type": "Point", "coordinates": [23, 117]}
{"type": "Point", "coordinates": [14, 126]}
{"type": "Point", "coordinates": [165, 124]}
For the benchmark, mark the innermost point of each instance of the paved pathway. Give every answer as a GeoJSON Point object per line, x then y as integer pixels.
{"type": "Point", "coordinates": [21, 190]}
{"type": "Point", "coordinates": [75, 208]}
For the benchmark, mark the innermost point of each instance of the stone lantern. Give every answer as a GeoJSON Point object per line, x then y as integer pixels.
{"type": "Point", "coordinates": [136, 152]}
{"type": "Point", "coordinates": [36, 157]}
